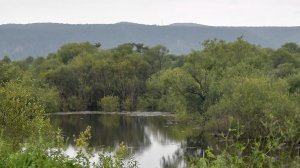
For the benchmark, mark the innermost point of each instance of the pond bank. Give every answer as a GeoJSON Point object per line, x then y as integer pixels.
{"type": "Point", "coordinates": [136, 113]}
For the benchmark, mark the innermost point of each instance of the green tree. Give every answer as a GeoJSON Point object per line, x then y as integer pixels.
{"type": "Point", "coordinates": [21, 112]}
{"type": "Point", "coordinates": [6, 59]}
{"type": "Point", "coordinates": [292, 47]}
{"type": "Point", "coordinates": [110, 103]}
{"type": "Point", "coordinates": [70, 51]}
{"type": "Point", "coordinates": [157, 57]}
{"type": "Point", "coordinates": [253, 101]}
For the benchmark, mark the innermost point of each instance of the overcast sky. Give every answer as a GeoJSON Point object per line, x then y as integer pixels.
{"type": "Point", "coordinates": [160, 12]}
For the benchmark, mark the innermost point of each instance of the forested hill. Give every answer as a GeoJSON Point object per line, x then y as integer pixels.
{"type": "Point", "coordinates": [19, 41]}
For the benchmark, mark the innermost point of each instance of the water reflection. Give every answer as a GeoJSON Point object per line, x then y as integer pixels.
{"type": "Point", "coordinates": [155, 141]}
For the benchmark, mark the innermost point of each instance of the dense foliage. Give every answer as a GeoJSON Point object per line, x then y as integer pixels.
{"type": "Point", "coordinates": [248, 93]}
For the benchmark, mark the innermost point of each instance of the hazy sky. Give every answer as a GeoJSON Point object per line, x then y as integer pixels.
{"type": "Point", "coordinates": [161, 12]}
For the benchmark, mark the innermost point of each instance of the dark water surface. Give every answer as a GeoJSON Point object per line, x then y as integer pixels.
{"type": "Point", "coordinates": [155, 140]}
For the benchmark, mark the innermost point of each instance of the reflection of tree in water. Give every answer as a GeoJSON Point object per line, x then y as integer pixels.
{"type": "Point", "coordinates": [162, 130]}
{"type": "Point", "coordinates": [195, 146]}
{"type": "Point", "coordinates": [174, 161]}
{"type": "Point", "coordinates": [111, 130]}
{"type": "Point", "coordinates": [168, 131]}
{"type": "Point", "coordinates": [192, 146]}
{"type": "Point", "coordinates": [107, 130]}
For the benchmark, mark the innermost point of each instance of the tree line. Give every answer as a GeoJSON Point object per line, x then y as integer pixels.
{"type": "Point", "coordinates": [223, 86]}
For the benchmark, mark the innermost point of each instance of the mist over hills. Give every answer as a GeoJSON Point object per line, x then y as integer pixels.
{"type": "Point", "coordinates": [21, 40]}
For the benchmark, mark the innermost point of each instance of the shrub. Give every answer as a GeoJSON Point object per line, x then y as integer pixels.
{"type": "Point", "coordinates": [110, 103]}
{"type": "Point", "coordinates": [253, 101]}
{"type": "Point", "coordinates": [21, 112]}
{"type": "Point", "coordinates": [128, 104]}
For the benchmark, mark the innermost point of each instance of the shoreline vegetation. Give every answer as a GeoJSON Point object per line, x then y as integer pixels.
{"type": "Point", "coordinates": [248, 93]}
{"type": "Point", "coordinates": [129, 113]}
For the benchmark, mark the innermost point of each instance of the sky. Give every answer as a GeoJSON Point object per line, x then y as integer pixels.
{"type": "Point", "coordinates": [158, 12]}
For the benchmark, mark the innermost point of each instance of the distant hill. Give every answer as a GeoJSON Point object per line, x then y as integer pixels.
{"type": "Point", "coordinates": [39, 39]}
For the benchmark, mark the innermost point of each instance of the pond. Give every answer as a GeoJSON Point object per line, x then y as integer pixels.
{"type": "Point", "coordinates": [155, 139]}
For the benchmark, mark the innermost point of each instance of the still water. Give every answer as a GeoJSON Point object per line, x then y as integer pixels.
{"type": "Point", "coordinates": [154, 140]}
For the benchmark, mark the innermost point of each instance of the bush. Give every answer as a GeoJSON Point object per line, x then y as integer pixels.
{"type": "Point", "coordinates": [128, 104]}
{"type": "Point", "coordinates": [253, 101]}
{"type": "Point", "coordinates": [75, 104]}
{"type": "Point", "coordinates": [109, 103]}
{"type": "Point", "coordinates": [21, 112]}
